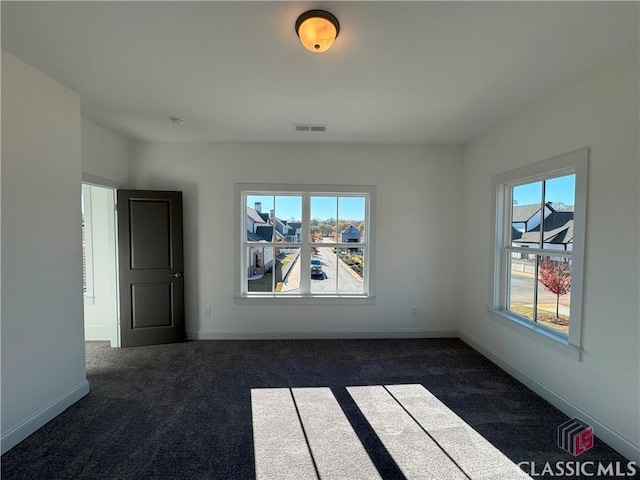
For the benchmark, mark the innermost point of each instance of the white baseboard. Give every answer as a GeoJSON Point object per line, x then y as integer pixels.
{"type": "Point", "coordinates": [28, 426]}
{"type": "Point", "coordinates": [97, 333]}
{"type": "Point", "coordinates": [318, 334]}
{"type": "Point", "coordinates": [608, 435]}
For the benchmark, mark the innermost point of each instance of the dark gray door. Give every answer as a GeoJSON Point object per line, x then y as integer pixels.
{"type": "Point", "coordinates": [150, 265]}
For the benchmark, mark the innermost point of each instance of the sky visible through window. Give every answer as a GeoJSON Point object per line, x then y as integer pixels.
{"type": "Point", "coordinates": [560, 189]}
{"type": "Point", "coordinates": [323, 207]}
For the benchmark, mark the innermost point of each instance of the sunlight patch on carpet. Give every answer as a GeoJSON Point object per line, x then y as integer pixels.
{"type": "Point", "coordinates": [477, 457]}
{"type": "Point", "coordinates": [415, 453]}
{"type": "Point", "coordinates": [334, 444]}
{"type": "Point", "coordinates": [303, 433]}
{"type": "Point", "coordinates": [279, 444]}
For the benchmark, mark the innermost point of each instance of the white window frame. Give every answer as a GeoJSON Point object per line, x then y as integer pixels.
{"type": "Point", "coordinates": [571, 163]}
{"type": "Point", "coordinates": [242, 190]}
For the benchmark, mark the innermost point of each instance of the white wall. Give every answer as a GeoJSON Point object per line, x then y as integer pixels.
{"type": "Point", "coordinates": [100, 310]}
{"type": "Point", "coordinates": [105, 156]}
{"type": "Point", "coordinates": [43, 370]}
{"type": "Point", "coordinates": [418, 233]}
{"type": "Point", "coordinates": [599, 111]}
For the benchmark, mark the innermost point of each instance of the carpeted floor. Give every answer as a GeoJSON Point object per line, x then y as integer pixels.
{"type": "Point", "coordinates": [183, 411]}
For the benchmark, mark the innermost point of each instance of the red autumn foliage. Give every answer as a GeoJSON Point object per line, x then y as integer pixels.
{"type": "Point", "coordinates": [556, 278]}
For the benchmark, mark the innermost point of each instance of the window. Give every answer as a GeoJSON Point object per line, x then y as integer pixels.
{"type": "Point", "coordinates": [539, 246]}
{"type": "Point", "coordinates": [87, 245]}
{"type": "Point", "coordinates": [304, 241]}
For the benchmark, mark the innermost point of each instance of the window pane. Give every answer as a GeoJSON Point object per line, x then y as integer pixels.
{"type": "Point", "coordinates": [520, 294]}
{"type": "Point", "coordinates": [554, 297]}
{"type": "Point", "coordinates": [324, 212]}
{"type": "Point", "coordinates": [323, 269]}
{"type": "Point", "coordinates": [287, 270]}
{"type": "Point", "coordinates": [259, 226]}
{"type": "Point", "coordinates": [558, 225]}
{"type": "Point", "coordinates": [288, 218]}
{"type": "Point", "coordinates": [561, 192]}
{"type": "Point", "coordinates": [263, 265]}
{"type": "Point", "coordinates": [351, 219]}
{"type": "Point", "coordinates": [525, 215]}
{"type": "Point", "coordinates": [260, 264]}
{"type": "Point", "coordinates": [351, 270]}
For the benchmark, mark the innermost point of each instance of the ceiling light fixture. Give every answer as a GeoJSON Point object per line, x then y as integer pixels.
{"type": "Point", "coordinates": [317, 30]}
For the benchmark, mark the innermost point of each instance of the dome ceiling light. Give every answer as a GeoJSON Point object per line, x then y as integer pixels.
{"type": "Point", "coordinates": [317, 30]}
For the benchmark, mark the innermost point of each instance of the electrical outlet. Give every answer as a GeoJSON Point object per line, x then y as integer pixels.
{"type": "Point", "coordinates": [414, 311]}
{"type": "Point", "coordinates": [207, 312]}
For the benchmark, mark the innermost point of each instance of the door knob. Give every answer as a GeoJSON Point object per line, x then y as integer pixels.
{"type": "Point", "coordinates": [176, 275]}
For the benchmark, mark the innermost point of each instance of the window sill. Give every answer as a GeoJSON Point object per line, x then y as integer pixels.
{"type": "Point", "coordinates": [556, 341]}
{"type": "Point", "coordinates": [303, 300]}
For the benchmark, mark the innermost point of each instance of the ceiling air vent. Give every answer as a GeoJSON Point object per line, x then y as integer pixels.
{"type": "Point", "coordinates": [310, 128]}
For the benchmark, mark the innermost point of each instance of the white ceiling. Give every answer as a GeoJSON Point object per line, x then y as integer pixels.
{"type": "Point", "coordinates": [399, 72]}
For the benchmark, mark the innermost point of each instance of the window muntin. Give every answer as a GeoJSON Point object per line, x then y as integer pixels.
{"type": "Point", "coordinates": [323, 224]}
{"type": "Point", "coordinates": [540, 225]}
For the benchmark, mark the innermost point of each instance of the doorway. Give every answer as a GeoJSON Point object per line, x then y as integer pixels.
{"type": "Point", "coordinates": [100, 283]}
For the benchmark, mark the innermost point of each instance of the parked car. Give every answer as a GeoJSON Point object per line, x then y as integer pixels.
{"type": "Point", "coordinates": [316, 267]}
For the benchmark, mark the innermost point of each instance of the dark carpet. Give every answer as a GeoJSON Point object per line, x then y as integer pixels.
{"type": "Point", "coordinates": [183, 411]}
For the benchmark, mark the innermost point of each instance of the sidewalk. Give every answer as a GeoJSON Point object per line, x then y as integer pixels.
{"type": "Point", "coordinates": [292, 282]}
{"type": "Point", "coordinates": [551, 308]}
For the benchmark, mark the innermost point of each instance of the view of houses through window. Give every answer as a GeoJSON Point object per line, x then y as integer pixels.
{"type": "Point", "coordinates": [540, 249]}
{"type": "Point", "coordinates": [321, 252]}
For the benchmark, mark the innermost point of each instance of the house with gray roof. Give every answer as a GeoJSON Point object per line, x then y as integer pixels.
{"type": "Point", "coordinates": [255, 218]}
{"type": "Point", "coordinates": [263, 228]}
{"type": "Point", "coordinates": [527, 217]}
{"type": "Point", "coordinates": [350, 234]}
{"type": "Point", "coordinates": [557, 227]}
{"type": "Point", "coordinates": [259, 230]}
{"type": "Point", "coordinates": [295, 231]}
